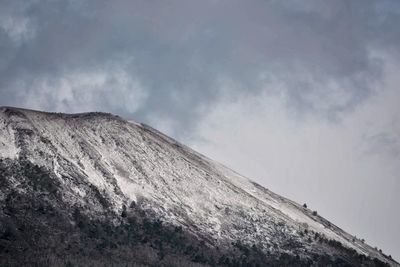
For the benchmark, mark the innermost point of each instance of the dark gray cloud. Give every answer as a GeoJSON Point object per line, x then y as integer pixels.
{"type": "Point", "coordinates": [176, 56]}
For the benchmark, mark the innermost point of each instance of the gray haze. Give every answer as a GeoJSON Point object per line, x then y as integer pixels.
{"type": "Point", "coordinates": [302, 96]}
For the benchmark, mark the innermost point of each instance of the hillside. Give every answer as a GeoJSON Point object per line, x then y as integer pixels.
{"type": "Point", "coordinates": [93, 189]}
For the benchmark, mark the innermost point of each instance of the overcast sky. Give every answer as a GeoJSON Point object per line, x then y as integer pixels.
{"type": "Point", "coordinates": [300, 96]}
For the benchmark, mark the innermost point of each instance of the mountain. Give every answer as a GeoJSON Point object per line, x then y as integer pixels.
{"type": "Point", "coordinates": [93, 189]}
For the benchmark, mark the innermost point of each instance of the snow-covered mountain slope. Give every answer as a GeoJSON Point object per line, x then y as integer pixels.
{"type": "Point", "coordinates": [129, 163]}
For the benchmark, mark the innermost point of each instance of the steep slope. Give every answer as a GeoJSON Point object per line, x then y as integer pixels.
{"type": "Point", "coordinates": [98, 169]}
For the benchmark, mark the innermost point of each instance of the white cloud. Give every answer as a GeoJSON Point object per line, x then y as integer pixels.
{"type": "Point", "coordinates": [16, 24]}
{"type": "Point", "coordinates": [18, 29]}
{"type": "Point", "coordinates": [110, 87]}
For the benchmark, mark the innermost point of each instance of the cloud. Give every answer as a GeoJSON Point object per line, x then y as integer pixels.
{"type": "Point", "coordinates": [384, 143]}
{"type": "Point", "coordinates": [110, 87]}
{"type": "Point", "coordinates": [347, 170]}
{"type": "Point", "coordinates": [320, 53]}
{"type": "Point", "coordinates": [18, 27]}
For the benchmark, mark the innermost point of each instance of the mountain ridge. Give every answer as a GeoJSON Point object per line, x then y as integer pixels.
{"type": "Point", "coordinates": [103, 165]}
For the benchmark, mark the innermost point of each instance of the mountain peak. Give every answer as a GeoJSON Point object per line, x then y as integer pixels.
{"type": "Point", "coordinates": [100, 166]}
{"type": "Point", "coordinates": [27, 112]}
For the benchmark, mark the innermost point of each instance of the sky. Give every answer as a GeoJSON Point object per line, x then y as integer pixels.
{"type": "Point", "coordinates": [301, 96]}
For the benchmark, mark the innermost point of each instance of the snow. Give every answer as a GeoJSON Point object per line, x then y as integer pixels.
{"type": "Point", "coordinates": [128, 161]}
{"type": "Point", "coordinates": [8, 148]}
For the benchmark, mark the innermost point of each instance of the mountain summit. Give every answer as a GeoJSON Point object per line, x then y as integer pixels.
{"type": "Point", "coordinates": [93, 189]}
